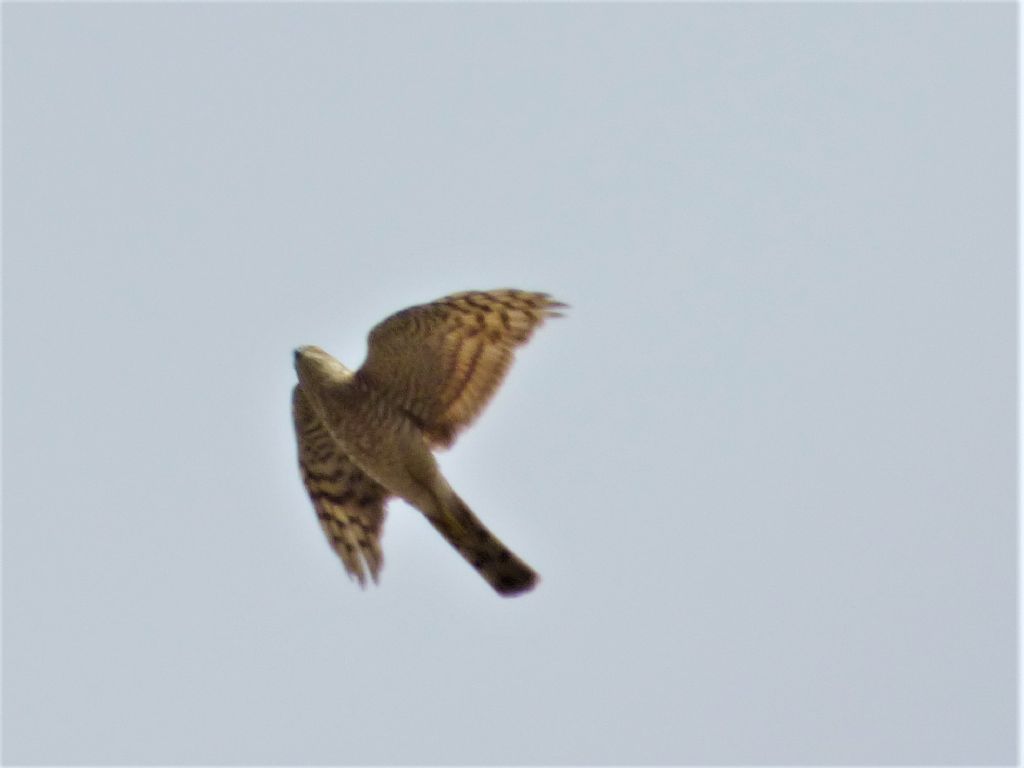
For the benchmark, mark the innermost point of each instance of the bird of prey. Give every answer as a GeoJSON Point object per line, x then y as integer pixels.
{"type": "Point", "coordinates": [367, 435]}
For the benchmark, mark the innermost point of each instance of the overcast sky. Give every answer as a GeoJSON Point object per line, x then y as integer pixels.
{"type": "Point", "coordinates": [765, 466]}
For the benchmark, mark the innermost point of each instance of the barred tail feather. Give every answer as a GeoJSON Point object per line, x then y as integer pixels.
{"type": "Point", "coordinates": [502, 569]}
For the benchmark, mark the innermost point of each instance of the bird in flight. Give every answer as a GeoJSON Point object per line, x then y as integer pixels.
{"type": "Point", "coordinates": [367, 435]}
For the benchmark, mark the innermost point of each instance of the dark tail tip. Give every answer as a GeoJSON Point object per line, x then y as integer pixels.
{"type": "Point", "coordinates": [510, 583]}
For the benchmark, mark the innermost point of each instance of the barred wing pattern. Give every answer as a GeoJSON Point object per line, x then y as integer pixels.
{"type": "Point", "coordinates": [349, 505]}
{"type": "Point", "coordinates": [442, 362]}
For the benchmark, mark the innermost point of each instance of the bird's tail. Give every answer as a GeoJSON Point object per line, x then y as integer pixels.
{"type": "Point", "coordinates": [493, 560]}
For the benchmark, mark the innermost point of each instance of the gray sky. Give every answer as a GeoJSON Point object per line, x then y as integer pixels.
{"type": "Point", "coordinates": [766, 466]}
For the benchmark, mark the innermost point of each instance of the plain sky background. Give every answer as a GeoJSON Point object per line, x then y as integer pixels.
{"type": "Point", "coordinates": [765, 467]}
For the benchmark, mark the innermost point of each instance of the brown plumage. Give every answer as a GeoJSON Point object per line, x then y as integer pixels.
{"type": "Point", "coordinates": [365, 436]}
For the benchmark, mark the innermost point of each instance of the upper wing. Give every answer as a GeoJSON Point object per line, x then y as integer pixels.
{"type": "Point", "coordinates": [441, 362]}
{"type": "Point", "coordinates": [349, 504]}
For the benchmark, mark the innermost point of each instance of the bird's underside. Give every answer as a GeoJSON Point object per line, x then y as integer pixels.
{"type": "Point", "coordinates": [367, 435]}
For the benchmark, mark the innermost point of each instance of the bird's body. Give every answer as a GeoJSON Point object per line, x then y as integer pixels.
{"type": "Point", "coordinates": [377, 437]}
{"type": "Point", "coordinates": [366, 435]}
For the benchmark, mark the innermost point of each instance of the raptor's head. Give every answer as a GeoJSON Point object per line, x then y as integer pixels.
{"type": "Point", "coordinates": [314, 365]}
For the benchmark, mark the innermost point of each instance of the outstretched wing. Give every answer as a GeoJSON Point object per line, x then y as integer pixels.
{"type": "Point", "coordinates": [349, 504]}
{"type": "Point", "coordinates": [442, 362]}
